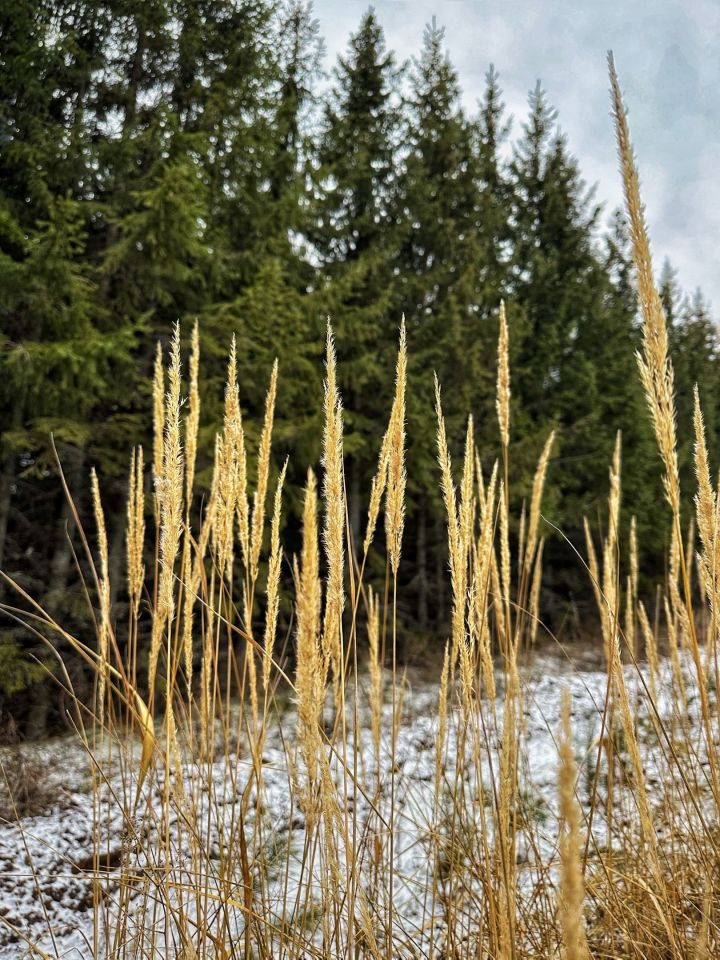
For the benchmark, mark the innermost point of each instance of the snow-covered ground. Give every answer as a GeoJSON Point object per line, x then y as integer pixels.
{"type": "Point", "coordinates": [46, 860]}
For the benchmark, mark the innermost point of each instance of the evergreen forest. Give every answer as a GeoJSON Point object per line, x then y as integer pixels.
{"type": "Point", "coordinates": [200, 161]}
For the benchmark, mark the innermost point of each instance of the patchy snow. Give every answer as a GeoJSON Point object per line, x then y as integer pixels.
{"type": "Point", "coordinates": [46, 861]}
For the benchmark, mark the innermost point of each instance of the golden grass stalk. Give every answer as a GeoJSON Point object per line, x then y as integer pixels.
{"type": "Point", "coordinates": [630, 600]}
{"type": "Point", "coordinates": [610, 605]}
{"type": "Point", "coordinates": [233, 426]}
{"type": "Point", "coordinates": [446, 481]}
{"type": "Point", "coordinates": [158, 411]}
{"type": "Point", "coordinates": [592, 563]}
{"type": "Point", "coordinates": [506, 812]}
{"type": "Point", "coordinates": [467, 496]}
{"type": "Point", "coordinates": [104, 590]}
{"type": "Point", "coordinates": [534, 604]}
{"type": "Point", "coordinates": [706, 506]}
{"type": "Point", "coordinates": [396, 475]}
{"type": "Point", "coordinates": [263, 471]}
{"type": "Point", "coordinates": [377, 489]}
{"type": "Point", "coordinates": [483, 573]}
{"type": "Point", "coordinates": [682, 613]}
{"type": "Point", "coordinates": [570, 904]}
{"type": "Point", "coordinates": [207, 676]}
{"type": "Point", "coordinates": [442, 721]}
{"type": "Point", "coordinates": [655, 365]}
{"type": "Point", "coordinates": [252, 672]}
{"type": "Point", "coordinates": [375, 669]}
{"type": "Point", "coordinates": [690, 550]}
{"type": "Point", "coordinates": [309, 669]}
{"type": "Point", "coordinates": [499, 608]}
{"type": "Point", "coordinates": [380, 479]}
{"type": "Point", "coordinates": [224, 513]}
{"type": "Point", "coordinates": [503, 379]}
{"type": "Point", "coordinates": [480, 482]}
{"type": "Point", "coordinates": [455, 547]}
{"type": "Point", "coordinates": [334, 502]}
{"type": "Point", "coordinates": [189, 596]}
{"type": "Point", "coordinates": [170, 498]}
{"type": "Point", "coordinates": [536, 501]}
{"type": "Point", "coordinates": [212, 523]}
{"type": "Point", "coordinates": [702, 946]}
{"type": "Point", "coordinates": [136, 529]}
{"type": "Point", "coordinates": [505, 566]}
{"type": "Point", "coordinates": [656, 372]}
{"type": "Point", "coordinates": [522, 534]}
{"type": "Point", "coordinates": [192, 421]}
{"type": "Point", "coordinates": [147, 737]}
{"type": "Point", "coordinates": [634, 564]}
{"type": "Point", "coordinates": [467, 655]}
{"type": "Point", "coordinates": [466, 645]}
{"type": "Point", "coordinates": [226, 473]}
{"type": "Point", "coordinates": [394, 524]}
{"type": "Point", "coordinates": [273, 583]}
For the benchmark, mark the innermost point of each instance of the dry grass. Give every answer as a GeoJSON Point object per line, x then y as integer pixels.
{"type": "Point", "coordinates": [197, 768]}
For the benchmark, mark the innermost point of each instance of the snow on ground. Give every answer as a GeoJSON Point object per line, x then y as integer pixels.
{"type": "Point", "coordinates": [42, 889]}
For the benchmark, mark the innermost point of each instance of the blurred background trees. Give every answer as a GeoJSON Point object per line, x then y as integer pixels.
{"type": "Point", "coordinates": [166, 160]}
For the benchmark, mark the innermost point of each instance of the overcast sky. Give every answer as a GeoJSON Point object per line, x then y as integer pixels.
{"type": "Point", "coordinates": [667, 53]}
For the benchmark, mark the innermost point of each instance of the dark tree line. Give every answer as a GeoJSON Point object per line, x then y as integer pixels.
{"type": "Point", "coordinates": [182, 159]}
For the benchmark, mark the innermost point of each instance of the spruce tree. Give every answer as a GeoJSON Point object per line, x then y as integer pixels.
{"type": "Point", "coordinates": [261, 280]}
{"type": "Point", "coordinates": [493, 236]}
{"type": "Point", "coordinates": [554, 288]}
{"type": "Point", "coordinates": [671, 297]}
{"type": "Point", "coordinates": [575, 368]}
{"type": "Point", "coordinates": [437, 280]}
{"type": "Point", "coordinates": [696, 358]}
{"type": "Point", "coordinates": [440, 251]}
{"type": "Point", "coordinates": [354, 235]}
{"type": "Point", "coordinates": [612, 347]}
{"type": "Point", "coordinates": [553, 259]}
{"type": "Point", "coordinates": [695, 353]}
{"type": "Point", "coordinates": [58, 356]}
{"type": "Point", "coordinates": [495, 193]}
